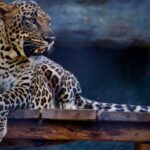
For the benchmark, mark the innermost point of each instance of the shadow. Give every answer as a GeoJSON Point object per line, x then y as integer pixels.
{"type": "Point", "coordinates": [132, 64]}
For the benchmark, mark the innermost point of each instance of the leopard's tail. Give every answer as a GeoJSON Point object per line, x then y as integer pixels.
{"type": "Point", "coordinates": [84, 103]}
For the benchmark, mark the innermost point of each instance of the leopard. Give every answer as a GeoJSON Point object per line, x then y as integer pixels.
{"type": "Point", "coordinates": [28, 79]}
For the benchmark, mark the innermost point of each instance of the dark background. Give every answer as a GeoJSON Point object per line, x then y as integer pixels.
{"type": "Point", "coordinates": [105, 43]}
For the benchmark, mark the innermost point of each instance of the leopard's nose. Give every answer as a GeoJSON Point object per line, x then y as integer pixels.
{"type": "Point", "coordinates": [50, 37]}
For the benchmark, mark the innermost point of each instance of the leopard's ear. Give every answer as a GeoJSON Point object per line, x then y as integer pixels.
{"type": "Point", "coordinates": [5, 8]}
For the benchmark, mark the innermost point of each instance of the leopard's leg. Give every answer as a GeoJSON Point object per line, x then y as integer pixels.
{"type": "Point", "coordinates": [19, 97]}
{"type": "Point", "coordinates": [66, 103]}
{"type": "Point", "coordinates": [41, 93]}
{"type": "Point", "coordinates": [69, 104]}
{"type": "Point", "coordinates": [3, 119]}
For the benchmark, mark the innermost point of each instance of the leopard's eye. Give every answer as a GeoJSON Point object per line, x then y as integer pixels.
{"type": "Point", "coordinates": [29, 23]}
{"type": "Point", "coordinates": [33, 21]}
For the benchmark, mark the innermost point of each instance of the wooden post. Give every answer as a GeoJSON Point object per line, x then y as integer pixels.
{"type": "Point", "coordinates": [142, 146]}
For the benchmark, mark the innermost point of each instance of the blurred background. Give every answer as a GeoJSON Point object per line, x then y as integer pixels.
{"type": "Point", "coordinates": [105, 43]}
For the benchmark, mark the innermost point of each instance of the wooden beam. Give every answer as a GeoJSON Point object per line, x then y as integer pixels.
{"type": "Point", "coordinates": [66, 130]}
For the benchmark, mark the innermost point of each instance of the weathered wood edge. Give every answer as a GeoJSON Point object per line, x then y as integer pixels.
{"type": "Point", "coordinates": [81, 115]}
{"type": "Point", "coordinates": [124, 117]}
{"type": "Point", "coordinates": [55, 114]}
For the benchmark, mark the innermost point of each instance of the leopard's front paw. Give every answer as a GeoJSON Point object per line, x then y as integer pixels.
{"type": "Point", "coordinates": [2, 133]}
{"type": "Point", "coordinates": [3, 128]}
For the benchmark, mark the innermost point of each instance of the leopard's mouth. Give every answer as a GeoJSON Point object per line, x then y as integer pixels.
{"type": "Point", "coordinates": [32, 49]}
{"type": "Point", "coordinates": [44, 48]}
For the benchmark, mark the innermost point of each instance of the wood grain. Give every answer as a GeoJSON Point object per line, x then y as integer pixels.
{"type": "Point", "coordinates": [66, 130]}
{"type": "Point", "coordinates": [55, 114]}
{"type": "Point", "coordinates": [124, 116]}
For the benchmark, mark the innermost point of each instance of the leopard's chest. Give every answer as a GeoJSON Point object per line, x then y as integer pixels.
{"type": "Point", "coordinates": [12, 76]}
{"type": "Point", "coordinates": [6, 82]}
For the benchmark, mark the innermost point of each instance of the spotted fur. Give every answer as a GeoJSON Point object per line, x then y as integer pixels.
{"type": "Point", "coordinates": [36, 82]}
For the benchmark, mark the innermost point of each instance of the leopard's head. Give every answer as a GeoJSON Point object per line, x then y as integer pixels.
{"type": "Point", "coordinates": [27, 26]}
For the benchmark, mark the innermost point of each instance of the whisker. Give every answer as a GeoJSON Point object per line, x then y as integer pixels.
{"type": "Point", "coordinates": [28, 45]}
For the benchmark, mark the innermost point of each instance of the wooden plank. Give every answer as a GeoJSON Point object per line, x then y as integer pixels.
{"type": "Point", "coordinates": [24, 114]}
{"type": "Point", "coordinates": [81, 115]}
{"type": "Point", "coordinates": [124, 116]}
{"type": "Point", "coordinates": [67, 130]}
{"type": "Point", "coordinates": [77, 115]}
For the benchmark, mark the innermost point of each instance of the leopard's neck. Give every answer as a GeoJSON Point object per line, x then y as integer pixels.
{"type": "Point", "coordinates": [7, 52]}
{"type": "Point", "coordinates": [8, 55]}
